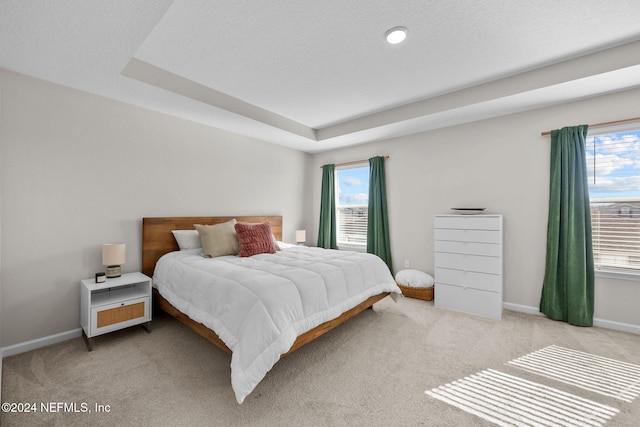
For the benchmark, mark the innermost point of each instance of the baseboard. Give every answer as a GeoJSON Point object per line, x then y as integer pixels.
{"type": "Point", "coordinates": [617, 326]}
{"type": "Point", "coordinates": [601, 323]}
{"type": "Point", "coordinates": [23, 347]}
{"type": "Point", "coordinates": [521, 308]}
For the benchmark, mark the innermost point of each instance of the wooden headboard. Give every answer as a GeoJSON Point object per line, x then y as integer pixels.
{"type": "Point", "coordinates": [158, 240]}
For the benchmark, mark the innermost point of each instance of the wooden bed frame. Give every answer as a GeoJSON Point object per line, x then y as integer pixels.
{"type": "Point", "coordinates": [158, 240]}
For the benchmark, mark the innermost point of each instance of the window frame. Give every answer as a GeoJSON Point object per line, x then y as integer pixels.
{"type": "Point", "coordinates": [612, 272]}
{"type": "Point", "coordinates": [345, 245]}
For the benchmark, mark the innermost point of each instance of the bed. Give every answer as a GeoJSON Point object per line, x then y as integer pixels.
{"type": "Point", "coordinates": [322, 289]}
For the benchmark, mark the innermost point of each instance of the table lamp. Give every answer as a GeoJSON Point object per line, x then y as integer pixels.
{"type": "Point", "coordinates": [113, 256]}
{"type": "Point", "coordinates": [301, 236]}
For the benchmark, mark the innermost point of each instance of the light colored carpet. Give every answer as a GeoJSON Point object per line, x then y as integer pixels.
{"type": "Point", "coordinates": [373, 370]}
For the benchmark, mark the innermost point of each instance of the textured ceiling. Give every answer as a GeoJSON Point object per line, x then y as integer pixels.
{"type": "Point", "coordinates": [316, 75]}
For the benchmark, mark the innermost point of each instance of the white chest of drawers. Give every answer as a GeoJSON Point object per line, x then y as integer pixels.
{"type": "Point", "coordinates": [468, 263]}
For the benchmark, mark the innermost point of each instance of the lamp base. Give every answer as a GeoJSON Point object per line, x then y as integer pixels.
{"type": "Point", "coordinates": [114, 271]}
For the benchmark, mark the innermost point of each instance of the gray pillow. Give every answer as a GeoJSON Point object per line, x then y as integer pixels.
{"type": "Point", "coordinates": [219, 239]}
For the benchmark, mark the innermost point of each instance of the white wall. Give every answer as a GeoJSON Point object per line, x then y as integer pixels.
{"type": "Point", "coordinates": [501, 164]}
{"type": "Point", "coordinates": [79, 170]}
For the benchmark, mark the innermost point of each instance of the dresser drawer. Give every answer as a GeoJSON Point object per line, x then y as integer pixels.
{"type": "Point", "coordinates": [111, 317]}
{"type": "Point", "coordinates": [473, 301]}
{"type": "Point", "coordinates": [468, 248]}
{"type": "Point", "coordinates": [469, 279]}
{"type": "Point", "coordinates": [471, 222]}
{"type": "Point", "coordinates": [479, 264]}
{"type": "Point", "coordinates": [459, 235]}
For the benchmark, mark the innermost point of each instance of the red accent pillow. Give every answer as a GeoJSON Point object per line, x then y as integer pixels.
{"type": "Point", "coordinates": [255, 239]}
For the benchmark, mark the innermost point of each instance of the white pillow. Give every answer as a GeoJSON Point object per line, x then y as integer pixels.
{"type": "Point", "coordinates": [414, 278]}
{"type": "Point", "coordinates": [187, 239]}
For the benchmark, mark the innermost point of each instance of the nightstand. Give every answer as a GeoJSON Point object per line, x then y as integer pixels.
{"type": "Point", "coordinates": [115, 304]}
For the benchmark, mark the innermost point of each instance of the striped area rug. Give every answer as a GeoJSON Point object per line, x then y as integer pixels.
{"type": "Point", "coordinates": [511, 401]}
{"type": "Point", "coordinates": [598, 374]}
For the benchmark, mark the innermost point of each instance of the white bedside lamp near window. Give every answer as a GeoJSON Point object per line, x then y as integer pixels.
{"type": "Point", "coordinates": [113, 256]}
{"type": "Point", "coordinates": [301, 236]}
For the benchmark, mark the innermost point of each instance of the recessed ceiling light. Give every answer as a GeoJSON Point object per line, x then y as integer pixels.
{"type": "Point", "coordinates": [396, 35]}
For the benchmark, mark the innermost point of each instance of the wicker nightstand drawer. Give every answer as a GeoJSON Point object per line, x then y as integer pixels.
{"type": "Point", "coordinates": [119, 315]}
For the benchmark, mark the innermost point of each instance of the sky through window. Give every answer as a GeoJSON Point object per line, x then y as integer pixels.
{"type": "Point", "coordinates": [353, 186]}
{"type": "Point", "coordinates": [615, 158]}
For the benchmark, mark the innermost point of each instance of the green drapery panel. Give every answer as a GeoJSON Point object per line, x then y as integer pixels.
{"type": "Point", "coordinates": [327, 232]}
{"type": "Point", "coordinates": [567, 290]}
{"type": "Point", "coordinates": [378, 220]}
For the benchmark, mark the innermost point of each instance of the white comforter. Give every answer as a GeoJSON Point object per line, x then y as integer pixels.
{"type": "Point", "coordinates": [259, 305]}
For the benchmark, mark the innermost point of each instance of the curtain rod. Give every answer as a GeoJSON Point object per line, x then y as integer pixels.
{"type": "Point", "coordinates": [354, 162]}
{"type": "Point", "coordinates": [596, 125]}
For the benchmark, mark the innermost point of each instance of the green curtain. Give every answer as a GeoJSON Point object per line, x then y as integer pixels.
{"type": "Point", "coordinates": [327, 231]}
{"type": "Point", "coordinates": [378, 220]}
{"type": "Point", "coordinates": [567, 290]}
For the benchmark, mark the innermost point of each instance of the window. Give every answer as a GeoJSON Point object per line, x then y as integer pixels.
{"type": "Point", "coordinates": [613, 166]}
{"type": "Point", "coordinates": [352, 204]}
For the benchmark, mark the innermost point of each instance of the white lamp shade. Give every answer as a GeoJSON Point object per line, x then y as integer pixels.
{"type": "Point", "coordinates": [113, 253]}
{"type": "Point", "coordinates": [301, 236]}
